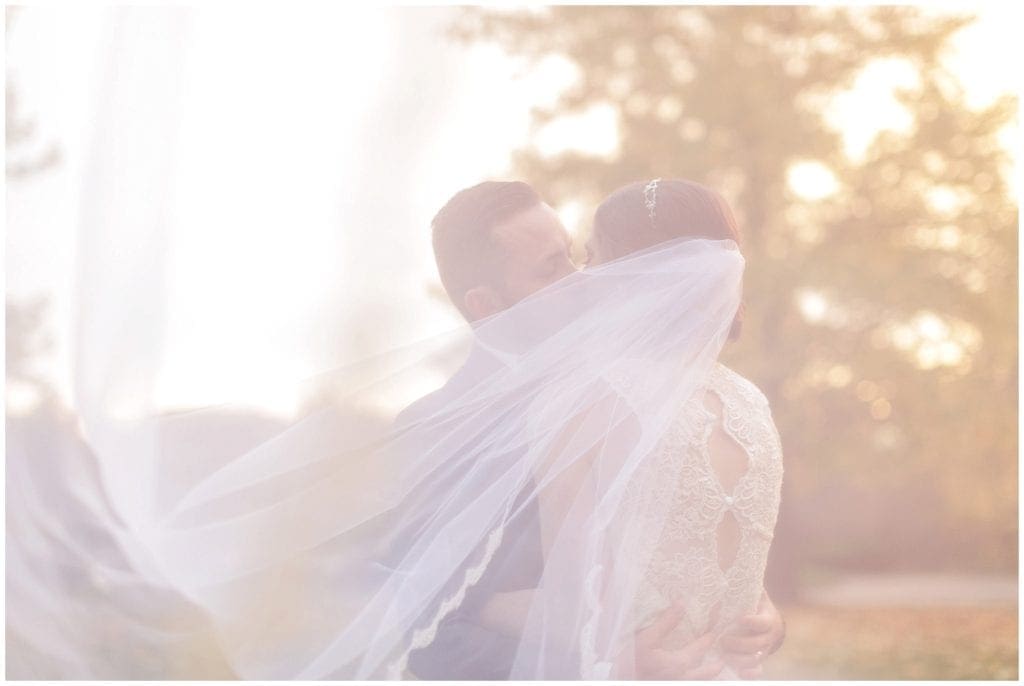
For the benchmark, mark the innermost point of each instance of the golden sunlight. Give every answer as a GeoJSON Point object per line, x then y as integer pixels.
{"type": "Point", "coordinates": [812, 180]}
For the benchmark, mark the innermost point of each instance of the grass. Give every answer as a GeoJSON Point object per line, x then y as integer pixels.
{"type": "Point", "coordinates": [896, 643]}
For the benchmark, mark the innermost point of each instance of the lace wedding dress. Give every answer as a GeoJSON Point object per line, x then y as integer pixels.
{"type": "Point", "coordinates": [720, 465]}
{"type": "Point", "coordinates": [720, 468]}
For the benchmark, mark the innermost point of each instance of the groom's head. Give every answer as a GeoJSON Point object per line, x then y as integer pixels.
{"type": "Point", "coordinates": [496, 243]}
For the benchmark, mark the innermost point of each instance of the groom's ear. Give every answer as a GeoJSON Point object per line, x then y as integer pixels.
{"type": "Point", "coordinates": [482, 301]}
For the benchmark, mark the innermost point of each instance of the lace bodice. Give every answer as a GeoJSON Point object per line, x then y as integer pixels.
{"type": "Point", "coordinates": [685, 564]}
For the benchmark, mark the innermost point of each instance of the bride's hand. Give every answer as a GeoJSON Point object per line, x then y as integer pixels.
{"type": "Point", "coordinates": [653, 660]}
{"type": "Point", "coordinates": [748, 640]}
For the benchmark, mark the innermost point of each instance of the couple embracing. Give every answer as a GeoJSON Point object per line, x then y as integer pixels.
{"type": "Point", "coordinates": [693, 518]}
{"type": "Point", "coordinates": [589, 493]}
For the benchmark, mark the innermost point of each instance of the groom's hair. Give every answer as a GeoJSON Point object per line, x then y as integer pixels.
{"type": "Point", "coordinates": [464, 248]}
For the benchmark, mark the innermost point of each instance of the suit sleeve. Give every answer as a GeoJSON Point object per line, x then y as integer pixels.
{"type": "Point", "coordinates": [465, 650]}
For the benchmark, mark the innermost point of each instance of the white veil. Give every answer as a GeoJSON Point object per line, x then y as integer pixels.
{"type": "Point", "coordinates": [340, 544]}
{"type": "Point", "coordinates": [344, 543]}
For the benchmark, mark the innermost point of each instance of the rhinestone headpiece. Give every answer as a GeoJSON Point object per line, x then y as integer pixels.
{"type": "Point", "coordinates": [650, 197]}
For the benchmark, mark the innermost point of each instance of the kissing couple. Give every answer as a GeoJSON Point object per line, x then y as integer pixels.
{"type": "Point", "coordinates": [701, 611]}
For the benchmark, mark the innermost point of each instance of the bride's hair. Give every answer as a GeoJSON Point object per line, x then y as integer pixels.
{"type": "Point", "coordinates": [636, 216]}
{"type": "Point", "coordinates": [462, 234]}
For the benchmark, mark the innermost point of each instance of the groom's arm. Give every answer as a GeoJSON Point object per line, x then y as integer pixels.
{"type": "Point", "coordinates": [752, 637]}
{"type": "Point", "coordinates": [465, 650]}
{"type": "Point", "coordinates": [467, 646]}
{"type": "Point", "coordinates": [654, 656]}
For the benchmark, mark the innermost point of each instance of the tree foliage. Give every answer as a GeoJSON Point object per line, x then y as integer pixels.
{"type": "Point", "coordinates": [881, 317]}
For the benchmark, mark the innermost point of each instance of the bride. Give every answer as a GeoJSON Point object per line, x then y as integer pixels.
{"type": "Point", "coordinates": [720, 464]}
{"type": "Point", "coordinates": [569, 482]}
{"type": "Point", "coordinates": [708, 564]}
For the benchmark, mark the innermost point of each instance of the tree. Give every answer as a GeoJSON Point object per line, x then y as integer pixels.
{"type": "Point", "coordinates": [19, 129]}
{"type": "Point", "coordinates": [881, 318]}
{"type": "Point", "coordinates": [26, 333]}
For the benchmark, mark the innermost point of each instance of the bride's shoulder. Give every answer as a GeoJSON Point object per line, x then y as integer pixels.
{"type": "Point", "coordinates": [725, 378]}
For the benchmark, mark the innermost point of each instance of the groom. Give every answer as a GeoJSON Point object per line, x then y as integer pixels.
{"type": "Point", "coordinates": [495, 244]}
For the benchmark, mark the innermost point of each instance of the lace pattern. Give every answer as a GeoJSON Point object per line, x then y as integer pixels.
{"type": "Point", "coordinates": [422, 638]}
{"type": "Point", "coordinates": [685, 565]}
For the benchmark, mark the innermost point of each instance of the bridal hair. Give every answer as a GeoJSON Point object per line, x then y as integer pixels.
{"type": "Point", "coordinates": [466, 254]}
{"type": "Point", "coordinates": [644, 213]}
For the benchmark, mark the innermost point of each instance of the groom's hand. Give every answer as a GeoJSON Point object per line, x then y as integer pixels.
{"type": "Point", "coordinates": [745, 644]}
{"type": "Point", "coordinates": [654, 661]}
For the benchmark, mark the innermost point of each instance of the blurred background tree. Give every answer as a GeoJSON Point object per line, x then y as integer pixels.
{"type": "Point", "coordinates": [881, 287]}
{"type": "Point", "coordinates": [25, 331]}
{"type": "Point", "coordinates": [25, 157]}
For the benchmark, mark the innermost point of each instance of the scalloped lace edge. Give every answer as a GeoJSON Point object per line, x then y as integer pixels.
{"type": "Point", "coordinates": [422, 638]}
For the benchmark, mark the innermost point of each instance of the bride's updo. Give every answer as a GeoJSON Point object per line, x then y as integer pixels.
{"type": "Point", "coordinates": [642, 214]}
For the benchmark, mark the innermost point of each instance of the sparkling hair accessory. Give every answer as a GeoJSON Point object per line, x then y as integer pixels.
{"type": "Point", "coordinates": [650, 197]}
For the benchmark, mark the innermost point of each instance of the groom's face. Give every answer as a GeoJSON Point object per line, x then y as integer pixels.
{"type": "Point", "coordinates": [534, 251]}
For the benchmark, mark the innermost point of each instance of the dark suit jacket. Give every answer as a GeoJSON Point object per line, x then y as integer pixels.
{"type": "Point", "coordinates": [464, 649]}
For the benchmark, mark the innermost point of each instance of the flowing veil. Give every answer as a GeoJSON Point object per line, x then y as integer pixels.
{"type": "Point", "coordinates": [336, 544]}
{"type": "Point", "coordinates": [369, 533]}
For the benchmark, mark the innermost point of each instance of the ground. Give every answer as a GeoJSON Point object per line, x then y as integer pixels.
{"type": "Point", "coordinates": [957, 642]}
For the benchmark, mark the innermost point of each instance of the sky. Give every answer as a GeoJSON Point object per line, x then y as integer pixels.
{"type": "Point", "coordinates": [311, 152]}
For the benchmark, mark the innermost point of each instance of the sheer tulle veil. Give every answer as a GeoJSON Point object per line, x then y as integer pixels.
{"type": "Point", "coordinates": [337, 546]}
{"type": "Point", "coordinates": [334, 545]}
